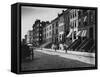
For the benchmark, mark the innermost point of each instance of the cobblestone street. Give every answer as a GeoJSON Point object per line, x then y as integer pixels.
{"type": "Point", "coordinates": [52, 60]}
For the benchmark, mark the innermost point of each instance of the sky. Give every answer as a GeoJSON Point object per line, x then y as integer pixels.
{"type": "Point", "coordinates": [30, 14]}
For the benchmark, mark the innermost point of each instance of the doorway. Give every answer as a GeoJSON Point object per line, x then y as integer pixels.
{"type": "Point", "coordinates": [91, 32]}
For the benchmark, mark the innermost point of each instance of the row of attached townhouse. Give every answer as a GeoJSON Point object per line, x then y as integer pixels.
{"type": "Point", "coordinates": [55, 32]}
{"type": "Point", "coordinates": [73, 28]}
{"type": "Point", "coordinates": [82, 30]}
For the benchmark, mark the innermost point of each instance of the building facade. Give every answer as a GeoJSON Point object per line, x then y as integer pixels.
{"type": "Point", "coordinates": [45, 35]}
{"type": "Point", "coordinates": [83, 32]}
{"type": "Point", "coordinates": [61, 30]}
{"type": "Point", "coordinates": [37, 33]}
{"type": "Point", "coordinates": [55, 30]}
{"type": "Point", "coordinates": [73, 24]}
{"type": "Point", "coordinates": [74, 27]}
{"type": "Point", "coordinates": [25, 39]}
{"type": "Point", "coordinates": [66, 14]}
{"type": "Point", "coordinates": [87, 23]}
{"type": "Point", "coordinates": [49, 32]}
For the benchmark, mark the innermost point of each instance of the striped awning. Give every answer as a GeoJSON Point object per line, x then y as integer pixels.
{"type": "Point", "coordinates": [71, 30]}
{"type": "Point", "coordinates": [82, 33]}
{"type": "Point", "coordinates": [79, 33]}
{"type": "Point", "coordinates": [85, 18]}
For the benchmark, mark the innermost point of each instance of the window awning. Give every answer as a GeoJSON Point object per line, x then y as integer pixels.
{"type": "Point", "coordinates": [82, 33]}
{"type": "Point", "coordinates": [85, 18]}
{"type": "Point", "coordinates": [79, 33]}
{"type": "Point", "coordinates": [71, 30]}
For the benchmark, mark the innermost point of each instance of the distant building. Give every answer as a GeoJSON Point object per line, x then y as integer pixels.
{"type": "Point", "coordinates": [29, 37]}
{"type": "Point", "coordinates": [25, 39]}
{"type": "Point", "coordinates": [37, 33]}
{"type": "Point", "coordinates": [44, 34]}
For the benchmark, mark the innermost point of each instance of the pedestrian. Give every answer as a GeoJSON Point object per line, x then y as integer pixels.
{"type": "Point", "coordinates": [31, 52]}
{"type": "Point", "coordinates": [55, 47]}
{"type": "Point", "coordinates": [65, 47]}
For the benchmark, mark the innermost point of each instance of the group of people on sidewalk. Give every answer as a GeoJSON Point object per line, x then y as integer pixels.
{"type": "Point", "coordinates": [59, 46]}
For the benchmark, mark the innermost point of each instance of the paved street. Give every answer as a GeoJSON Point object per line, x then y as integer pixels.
{"type": "Point", "coordinates": [51, 60]}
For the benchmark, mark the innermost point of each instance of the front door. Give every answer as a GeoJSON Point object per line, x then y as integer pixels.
{"type": "Point", "coordinates": [91, 32]}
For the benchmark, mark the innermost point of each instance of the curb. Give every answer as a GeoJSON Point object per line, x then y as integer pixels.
{"type": "Point", "coordinates": [82, 53]}
{"type": "Point", "coordinates": [86, 54]}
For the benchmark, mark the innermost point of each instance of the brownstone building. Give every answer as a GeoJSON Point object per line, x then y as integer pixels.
{"type": "Point", "coordinates": [55, 30]}
{"type": "Point", "coordinates": [87, 30]}
{"type": "Point", "coordinates": [66, 14]}
{"type": "Point", "coordinates": [83, 33]}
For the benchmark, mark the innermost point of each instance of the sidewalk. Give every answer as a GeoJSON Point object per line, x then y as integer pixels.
{"type": "Point", "coordinates": [60, 53]}
{"type": "Point", "coordinates": [86, 54]}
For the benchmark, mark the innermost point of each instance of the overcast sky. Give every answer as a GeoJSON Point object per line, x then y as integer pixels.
{"type": "Point", "coordinates": [30, 14]}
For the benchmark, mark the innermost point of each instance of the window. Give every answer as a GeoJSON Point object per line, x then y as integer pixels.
{"type": "Point", "coordinates": [50, 33]}
{"type": "Point", "coordinates": [73, 15]}
{"type": "Point", "coordinates": [75, 23]}
{"type": "Point", "coordinates": [79, 23]}
{"type": "Point", "coordinates": [56, 31]}
{"type": "Point", "coordinates": [40, 24]}
{"type": "Point", "coordinates": [47, 34]}
{"type": "Point", "coordinates": [56, 24]}
{"type": "Point", "coordinates": [44, 30]}
{"type": "Point", "coordinates": [37, 34]}
{"type": "Point", "coordinates": [85, 23]}
{"type": "Point", "coordinates": [53, 32]}
{"type": "Point", "coordinates": [60, 35]}
{"type": "Point", "coordinates": [37, 39]}
{"type": "Point", "coordinates": [53, 25]}
{"type": "Point", "coordinates": [50, 27]}
{"type": "Point", "coordinates": [79, 13]}
{"type": "Point", "coordinates": [71, 23]}
{"type": "Point", "coordinates": [37, 29]}
{"type": "Point", "coordinates": [37, 25]}
{"type": "Point", "coordinates": [75, 35]}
